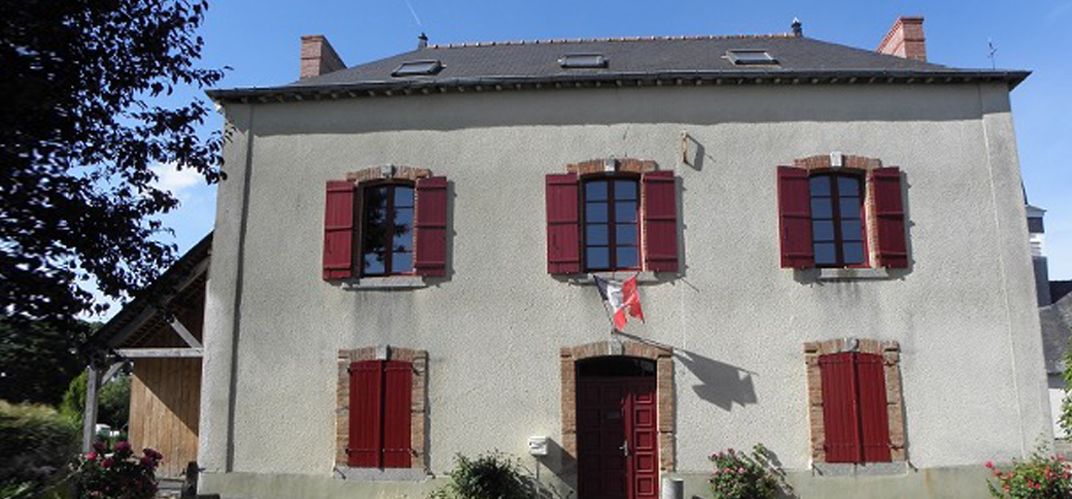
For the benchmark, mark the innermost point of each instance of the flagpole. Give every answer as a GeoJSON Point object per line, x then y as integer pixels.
{"type": "Point", "coordinates": [602, 301]}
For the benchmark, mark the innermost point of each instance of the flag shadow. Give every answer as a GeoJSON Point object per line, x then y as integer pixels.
{"type": "Point", "coordinates": [720, 384]}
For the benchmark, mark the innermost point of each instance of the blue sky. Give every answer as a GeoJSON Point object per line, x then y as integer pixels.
{"type": "Point", "coordinates": [260, 41]}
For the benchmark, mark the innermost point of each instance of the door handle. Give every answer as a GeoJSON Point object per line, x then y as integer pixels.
{"type": "Point", "coordinates": [625, 448]}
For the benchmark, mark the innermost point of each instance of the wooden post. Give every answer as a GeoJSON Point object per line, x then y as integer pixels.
{"type": "Point", "coordinates": [89, 417]}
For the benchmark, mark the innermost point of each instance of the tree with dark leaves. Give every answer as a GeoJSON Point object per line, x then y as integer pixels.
{"type": "Point", "coordinates": [78, 139]}
{"type": "Point", "coordinates": [81, 127]}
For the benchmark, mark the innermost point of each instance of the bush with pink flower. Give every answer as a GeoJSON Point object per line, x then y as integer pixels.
{"type": "Point", "coordinates": [1037, 477]}
{"type": "Point", "coordinates": [118, 473]}
{"type": "Point", "coordinates": [745, 475]}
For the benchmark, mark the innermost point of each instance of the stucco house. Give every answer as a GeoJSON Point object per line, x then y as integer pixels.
{"type": "Point", "coordinates": [831, 246]}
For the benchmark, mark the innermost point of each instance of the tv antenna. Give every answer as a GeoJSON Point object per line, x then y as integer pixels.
{"type": "Point", "coordinates": [991, 51]}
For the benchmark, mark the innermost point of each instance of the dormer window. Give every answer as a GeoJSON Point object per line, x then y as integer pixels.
{"type": "Point", "coordinates": [418, 68]}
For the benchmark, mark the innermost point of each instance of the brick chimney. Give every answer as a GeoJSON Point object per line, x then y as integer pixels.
{"type": "Point", "coordinates": [905, 39]}
{"type": "Point", "coordinates": [317, 57]}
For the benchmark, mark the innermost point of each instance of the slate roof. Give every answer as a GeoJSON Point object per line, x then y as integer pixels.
{"type": "Point", "coordinates": [634, 60]}
{"type": "Point", "coordinates": [1056, 322]}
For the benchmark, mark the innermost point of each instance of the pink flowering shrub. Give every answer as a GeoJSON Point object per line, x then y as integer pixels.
{"type": "Point", "coordinates": [117, 473]}
{"type": "Point", "coordinates": [742, 475]}
{"type": "Point", "coordinates": [1038, 477]}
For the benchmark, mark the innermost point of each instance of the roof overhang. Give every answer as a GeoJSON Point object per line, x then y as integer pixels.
{"type": "Point", "coordinates": [424, 86]}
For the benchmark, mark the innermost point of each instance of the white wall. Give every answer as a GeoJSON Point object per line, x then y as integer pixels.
{"type": "Point", "coordinates": [964, 313]}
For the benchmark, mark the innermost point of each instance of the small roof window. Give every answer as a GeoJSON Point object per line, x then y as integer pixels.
{"type": "Point", "coordinates": [418, 68]}
{"type": "Point", "coordinates": [570, 61]}
{"type": "Point", "coordinates": [750, 57]}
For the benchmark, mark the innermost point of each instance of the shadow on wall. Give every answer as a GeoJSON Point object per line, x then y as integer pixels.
{"type": "Point", "coordinates": [560, 463]}
{"type": "Point", "coordinates": [720, 383]}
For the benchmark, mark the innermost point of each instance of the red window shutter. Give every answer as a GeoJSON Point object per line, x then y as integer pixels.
{"type": "Point", "coordinates": [339, 230]}
{"type": "Point", "coordinates": [563, 224]}
{"type": "Point", "coordinates": [397, 408]}
{"type": "Point", "coordinates": [365, 441]}
{"type": "Point", "coordinates": [874, 426]}
{"type": "Point", "coordinates": [431, 227]}
{"type": "Point", "coordinates": [840, 413]}
{"type": "Point", "coordinates": [889, 217]}
{"type": "Point", "coordinates": [660, 222]}
{"type": "Point", "coordinates": [794, 218]}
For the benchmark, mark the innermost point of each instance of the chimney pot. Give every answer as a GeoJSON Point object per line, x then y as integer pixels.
{"type": "Point", "coordinates": [798, 28]}
{"type": "Point", "coordinates": [905, 39]}
{"type": "Point", "coordinates": [422, 41]}
{"type": "Point", "coordinates": [318, 57]}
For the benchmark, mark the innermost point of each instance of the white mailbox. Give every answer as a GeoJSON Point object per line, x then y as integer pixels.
{"type": "Point", "coordinates": [538, 446]}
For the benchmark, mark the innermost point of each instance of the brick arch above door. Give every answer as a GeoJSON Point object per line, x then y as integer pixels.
{"type": "Point", "coordinates": [664, 378]}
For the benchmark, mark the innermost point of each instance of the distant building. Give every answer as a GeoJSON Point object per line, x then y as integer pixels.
{"type": "Point", "coordinates": [1055, 315]}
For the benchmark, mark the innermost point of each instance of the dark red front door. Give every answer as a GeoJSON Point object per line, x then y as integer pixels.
{"type": "Point", "coordinates": [617, 443]}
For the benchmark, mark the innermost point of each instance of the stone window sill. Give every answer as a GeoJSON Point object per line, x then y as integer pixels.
{"type": "Point", "coordinates": [387, 282]}
{"type": "Point", "coordinates": [851, 274]}
{"type": "Point", "coordinates": [384, 475]}
{"type": "Point", "coordinates": [642, 277]}
{"type": "Point", "coordinates": [869, 469]}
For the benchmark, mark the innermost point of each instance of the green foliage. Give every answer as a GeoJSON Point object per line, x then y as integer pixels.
{"type": "Point", "coordinates": [1065, 420]}
{"type": "Point", "coordinates": [85, 120]}
{"type": "Point", "coordinates": [118, 473]}
{"type": "Point", "coordinates": [113, 401]}
{"type": "Point", "coordinates": [742, 475]}
{"type": "Point", "coordinates": [36, 445]}
{"type": "Point", "coordinates": [1038, 477]}
{"type": "Point", "coordinates": [489, 476]}
{"type": "Point", "coordinates": [39, 359]}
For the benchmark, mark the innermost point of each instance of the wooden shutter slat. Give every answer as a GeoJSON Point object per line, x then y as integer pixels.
{"type": "Point", "coordinates": [366, 395]}
{"type": "Point", "coordinates": [660, 222]}
{"type": "Point", "coordinates": [840, 416]}
{"type": "Point", "coordinates": [563, 224]}
{"type": "Point", "coordinates": [397, 414]}
{"type": "Point", "coordinates": [794, 218]}
{"type": "Point", "coordinates": [430, 227]}
{"type": "Point", "coordinates": [874, 426]}
{"type": "Point", "coordinates": [339, 230]}
{"type": "Point", "coordinates": [892, 248]}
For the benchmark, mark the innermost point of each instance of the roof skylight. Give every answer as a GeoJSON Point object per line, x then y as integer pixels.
{"type": "Point", "coordinates": [570, 61]}
{"type": "Point", "coordinates": [750, 57]}
{"type": "Point", "coordinates": [418, 68]}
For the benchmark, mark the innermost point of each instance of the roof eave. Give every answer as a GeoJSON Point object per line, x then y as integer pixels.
{"type": "Point", "coordinates": [409, 86]}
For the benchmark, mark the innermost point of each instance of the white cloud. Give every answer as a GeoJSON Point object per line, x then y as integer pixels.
{"type": "Point", "coordinates": [178, 182]}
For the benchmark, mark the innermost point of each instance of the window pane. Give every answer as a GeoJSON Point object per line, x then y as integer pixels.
{"type": "Point", "coordinates": [625, 234]}
{"type": "Point", "coordinates": [850, 207]}
{"type": "Point", "coordinates": [852, 230]}
{"type": "Point", "coordinates": [625, 190]}
{"type": "Point", "coordinates": [403, 218]}
{"type": "Point", "coordinates": [627, 257]}
{"type": "Point", "coordinates": [854, 253]}
{"type": "Point", "coordinates": [595, 212]}
{"type": "Point", "coordinates": [403, 196]}
{"type": "Point", "coordinates": [848, 186]}
{"type": "Point", "coordinates": [597, 234]}
{"type": "Point", "coordinates": [820, 186]}
{"type": "Point", "coordinates": [375, 205]}
{"type": "Point", "coordinates": [825, 253]}
{"type": "Point", "coordinates": [822, 231]}
{"type": "Point", "coordinates": [595, 191]}
{"type": "Point", "coordinates": [403, 240]}
{"type": "Point", "coordinates": [625, 211]}
{"type": "Point", "coordinates": [597, 258]}
{"type": "Point", "coordinates": [401, 262]}
{"type": "Point", "coordinates": [820, 208]}
{"type": "Point", "coordinates": [373, 263]}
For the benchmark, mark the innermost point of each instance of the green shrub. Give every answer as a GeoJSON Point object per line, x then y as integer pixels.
{"type": "Point", "coordinates": [113, 401]}
{"type": "Point", "coordinates": [36, 446]}
{"type": "Point", "coordinates": [489, 476]}
{"type": "Point", "coordinates": [1038, 477]}
{"type": "Point", "coordinates": [740, 475]}
{"type": "Point", "coordinates": [74, 399]}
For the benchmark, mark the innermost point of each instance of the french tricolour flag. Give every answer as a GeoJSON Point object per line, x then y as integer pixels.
{"type": "Point", "coordinates": [623, 297]}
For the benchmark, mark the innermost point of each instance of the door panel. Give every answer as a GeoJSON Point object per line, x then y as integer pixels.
{"type": "Point", "coordinates": [612, 412]}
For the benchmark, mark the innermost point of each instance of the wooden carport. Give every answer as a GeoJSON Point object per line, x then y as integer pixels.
{"type": "Point", "coordinates": [160, 332]}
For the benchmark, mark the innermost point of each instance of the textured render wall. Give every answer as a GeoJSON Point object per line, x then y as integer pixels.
{"type": "Point", "coordinates": [964, 313]}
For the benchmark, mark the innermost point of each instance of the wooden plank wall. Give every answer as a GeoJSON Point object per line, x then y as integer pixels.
{"type": "Point", "coordinates": [165, 399]}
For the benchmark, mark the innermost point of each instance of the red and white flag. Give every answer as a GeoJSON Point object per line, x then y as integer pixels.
{"type": "Point", "coordinates": [623, 297]}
